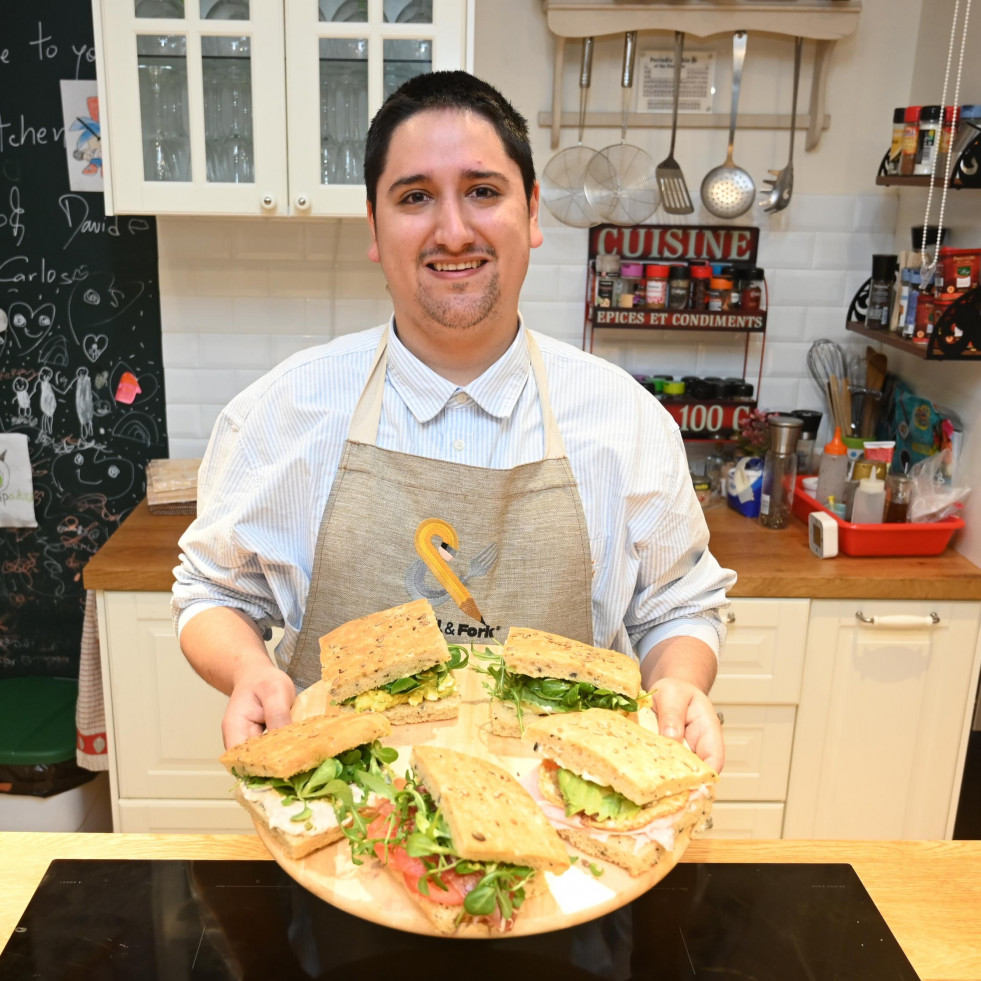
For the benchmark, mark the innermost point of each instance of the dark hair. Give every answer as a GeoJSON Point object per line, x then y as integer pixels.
{"type": "Point", "coordinates": [446, 90]}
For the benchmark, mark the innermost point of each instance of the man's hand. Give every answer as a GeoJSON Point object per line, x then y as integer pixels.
{"type": "Point", "coordinates": [685, 711]}
{"type": "Point", "coordinates": [260, 700]}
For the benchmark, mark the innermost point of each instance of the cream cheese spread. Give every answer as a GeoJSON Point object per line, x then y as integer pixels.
{"type": "Point", "coordinates": [278, 814]}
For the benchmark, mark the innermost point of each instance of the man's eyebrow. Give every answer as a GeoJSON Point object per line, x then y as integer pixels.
{"type": "Point", "coordinates": [470, 175]}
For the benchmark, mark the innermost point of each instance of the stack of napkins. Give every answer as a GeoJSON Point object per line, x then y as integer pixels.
{"type": "Point", "coordinates": [172, 486]}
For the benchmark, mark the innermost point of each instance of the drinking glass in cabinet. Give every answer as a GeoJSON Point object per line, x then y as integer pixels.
{"type": "Point", "coordinates": [163, 106]}
{"type": "Point", "coordinates": [404, 60]}
{"type": "Point", "coordinates": [225, 9]}
{"type": "Point", "coordinates": [339, 11]}
{"type": "Point", "coordinates": [394, 11]}
{"type": "Point", "coordinates": [343, 110]}
{"type": "Point", "coordinates": [159, 8]}
{"type": "Point", "coordinates": [413, 12]}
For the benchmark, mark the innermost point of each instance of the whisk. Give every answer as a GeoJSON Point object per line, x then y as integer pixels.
{"type": "Point", "coordinates": [829, 368]}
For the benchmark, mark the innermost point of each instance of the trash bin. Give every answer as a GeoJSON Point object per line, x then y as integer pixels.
{"type": "Point", "coordinates": [42, 788]}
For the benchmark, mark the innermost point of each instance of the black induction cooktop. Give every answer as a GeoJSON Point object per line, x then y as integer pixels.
{"type": "Point", "coordinates": [176, 920]}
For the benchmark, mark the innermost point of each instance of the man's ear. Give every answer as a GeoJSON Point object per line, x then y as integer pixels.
{"type": "Point", "coordinates": [535, 233]}
{"type": "Point", "coordinates": [373, 248]}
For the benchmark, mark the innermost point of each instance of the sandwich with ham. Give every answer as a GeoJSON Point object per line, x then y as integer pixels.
{"type": "Point", "coordinates": [301, 781]}
{"type": "Point", "coordinates": [615, 790]}
{"type": "Point", "coordinates": [395, 662]}
{"type": "Point", "coordinates": [463, 837]}
{"type": "Point", "coordinates": [538, 673]}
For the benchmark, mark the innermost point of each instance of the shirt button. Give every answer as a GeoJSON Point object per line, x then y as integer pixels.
{"type": "Point", "coordinates": [461, 398]}
{"type": "Point", "coordinates": [458, 444]}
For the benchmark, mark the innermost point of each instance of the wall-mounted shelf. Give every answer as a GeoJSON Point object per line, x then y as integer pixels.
{"type": "Point", "coordinates": [824, 21]}
{"type": "Point", "coordinates": [888, 338]}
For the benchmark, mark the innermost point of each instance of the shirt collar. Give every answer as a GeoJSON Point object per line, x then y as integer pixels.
{"type": "Point", "coordinates": [426, 393]}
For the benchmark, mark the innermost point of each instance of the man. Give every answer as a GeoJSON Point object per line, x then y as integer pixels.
{"type": "Point", "coordinates": [564, 483]}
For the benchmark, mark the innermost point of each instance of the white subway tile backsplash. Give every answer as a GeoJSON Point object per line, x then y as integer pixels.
{"type": "Point", "coordinates": [181, 238]}
{"type": "Point", "coordinates": [823, 212]}
{"type": "Point", "coordinates": [180, 350]}
{"type": "Point", "coordinates": [188, 313]}
{"type": "Point", "coordinates": [821, 322]}
{"type": "Point", "coordinates": [806, 287]}
{"type": "Point", "coordinates": [187, 449]}
{"type": "Point", "coordinates": [268, 238]}
{"type": "Point", "coordinates": [541, 283]}
{"type": "Point", "coordinates": [876, 213]}
{"type": "Point", "coordinates": [266, 316]}
{"type": "Point", "coordinates": [778, 394]}
{"type": "Point", "coordinates": [849, 250]}
{"type": "Point", "coordinates": [785, 250]}
{"type": "Point", "coordinates": [216, 278]}
{"type": "Point", "coordinates": [195, 386]}
{"type": "Point", "coordinates": [237, 350]}
{"type": "Point", "coordinates": [183, 420]}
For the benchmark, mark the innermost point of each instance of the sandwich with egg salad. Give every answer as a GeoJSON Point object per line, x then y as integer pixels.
{"type": "Point", "coordinates": [301, 781]}
{"type": "Point", "coordinates": [539, 673]}
{"type": "Point", "coordinates": [395, 662]}
{"type": "Point", "coordinates": [615, 790]}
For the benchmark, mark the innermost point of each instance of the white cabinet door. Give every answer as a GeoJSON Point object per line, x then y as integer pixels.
{"type": "Point", "coordinates": [759, 740]}
{"type": "Point", "coordinates": [763, 657]}
{"type": "Point", "coordinates": [883, 717]}
{"type": "Point", "coordinates": [732, 820]}
{"type": "Point", "coordinates": [168, 817]}
{"type": "Point", "coordinates": [165, 720]}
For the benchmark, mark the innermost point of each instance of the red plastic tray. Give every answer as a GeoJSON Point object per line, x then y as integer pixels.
{"type": "Point", "coordinates": [911, 538]}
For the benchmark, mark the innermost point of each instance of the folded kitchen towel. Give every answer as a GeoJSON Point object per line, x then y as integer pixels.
{"type": "Point", "coordinates": [90, 712]}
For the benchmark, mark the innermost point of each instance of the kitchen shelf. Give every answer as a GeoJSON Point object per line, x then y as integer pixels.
{"type": "Point", "coordinates": [701, 320]}
{"type": "Point", "coordinates": [888, 338]}
{"type": "Point", "coordinates": [824, 21]}
{"type": "Point", "coordinates": [918, 180]}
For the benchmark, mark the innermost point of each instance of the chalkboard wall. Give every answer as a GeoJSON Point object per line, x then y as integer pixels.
{"type": "Point", "coordinates": [81, 370]}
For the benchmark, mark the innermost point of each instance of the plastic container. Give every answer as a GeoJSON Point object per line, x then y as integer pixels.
{"type": "Point", "coordinates": [833, 469]}
{"type": "Point", "coordinates": [869, 505]}
{"type": "Point", "coordinates": [912, 538]}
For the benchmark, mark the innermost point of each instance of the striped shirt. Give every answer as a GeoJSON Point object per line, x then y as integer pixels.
{"type": "Point", "coordinates": [271, 460]}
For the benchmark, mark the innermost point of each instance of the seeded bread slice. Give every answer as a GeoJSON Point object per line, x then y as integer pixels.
{"type": "Point", "coordinates": [538, 654]}
{"type": "Point", "coordinates": [617, 752]}
{"type": "Point", "coordinates": [303, 745]}
{"type": "Point", "coordinates": [295, 846]}
{"type": "Point", "coordinates": [383, 647]}
{"type": "Point", "coordinates": [490, 816]}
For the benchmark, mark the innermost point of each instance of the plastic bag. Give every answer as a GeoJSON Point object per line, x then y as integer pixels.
{"type": "Point", "coordinates": [933, 498]}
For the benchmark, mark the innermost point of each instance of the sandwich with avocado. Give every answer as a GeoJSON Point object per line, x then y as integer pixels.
{"type": "Point", "coordinates": [395, 662]}
{"type": "Point", "coordinates": [615, 790]}
{"type": "Point", "coordinates": [539, 673]}
{"type": "Point", "coordinates": [463, 837]}
{"type": "Point", "coordinates": [301, 781]}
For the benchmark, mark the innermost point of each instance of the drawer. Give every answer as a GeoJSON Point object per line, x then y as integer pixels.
{"type": "Point", "coordinates": [750, 820]}
{"type": "Point", "coordinates": [184, 817]}
{"type": "Point", "coordinates": [759, 740]}
{"type": "Point", "coordinates": [763, 657]}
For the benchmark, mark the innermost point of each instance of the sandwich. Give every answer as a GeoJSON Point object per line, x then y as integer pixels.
{"type": "Point", "coordinates": [395, 662]}
{"type": "Point", "coordinates": [301, 781]}
{"type": "Point", "coordinates": [463, 837]}
{"type": "Point", "coordinates": [538, 673]}
{"type": "Point", "coordinates": [615, 790]}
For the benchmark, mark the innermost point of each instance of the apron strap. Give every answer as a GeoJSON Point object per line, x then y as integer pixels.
{"type": "Point", "coordinates": [367, 413]}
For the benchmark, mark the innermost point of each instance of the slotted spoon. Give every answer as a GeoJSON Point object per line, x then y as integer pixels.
{"type": "Point", "coordinates": [675, 198]}
{"type": "Point", "coordinates": [728, 191]}
{"type": "Point", "coordinates": [782, 183]}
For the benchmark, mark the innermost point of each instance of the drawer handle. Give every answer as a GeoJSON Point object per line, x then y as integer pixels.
{"type": "Point", "coordinates": [722, 718]}
{"type": "Point", "coordinates": [730, 617]}
{"type": "Point", "coordinates": [901, 620]}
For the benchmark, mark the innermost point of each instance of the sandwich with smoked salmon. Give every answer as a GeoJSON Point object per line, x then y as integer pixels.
{"type": "Point", "coordinates": [395, 662]}
{"type": "Point", "coordinates": [463, 837]}
{"type": "Point", "coordinates": [301, 781]}
{"type": "Point", "coordinates": [615, 790]}
{"type": "Point", "coordinates": [538, 673]}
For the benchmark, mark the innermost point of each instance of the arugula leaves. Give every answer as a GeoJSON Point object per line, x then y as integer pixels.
{"type": "Point", "coordinates": [433, 678]}
{"type": "Point", "coordinates": [418, 826]}
{"type": "Point", "coordinates": [552, 694]}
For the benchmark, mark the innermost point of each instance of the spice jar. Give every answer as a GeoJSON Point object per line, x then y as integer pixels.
{"type": "Point", "coordinates": [679, 284]}
{"type": "Point", "coordinates": [880, 291]}
{"type": "Point", "coordinates": [896, 146]}
{"type": "Point", "coordinates": [752, 294]}
{"type": "Point", "coordinates": [925, 317]}
{"type": "Point", "coordinates": [779, 472]}
{"type": "Point", "coordinates": [928, 139]}
{"type": "Point", "coordinates": [899, 496]}
{"type": "Point", "coordinates": [607, 279]}
{"type": "Point", "coordinates": [738, 276]}
{"type": "Point", "coordinates": [719, 293]}
{"type": "Point", "coordinates": [701, 276]}
{"type": "Point", "coordinates": [657, 287]}
{"type": "Point", "coordinates": [631, 278]}
{"type": "Point", "coordinates": [946, 142]}
{"type": "Point", "coordinates": [911, 141]}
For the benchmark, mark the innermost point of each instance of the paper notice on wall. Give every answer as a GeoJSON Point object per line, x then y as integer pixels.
{"type": "Point", "coordinates": [655, 89]}
{"type": "Point", "coordinates": [83, 134]}
{"type": "Point", "coordinates": [16, 483]}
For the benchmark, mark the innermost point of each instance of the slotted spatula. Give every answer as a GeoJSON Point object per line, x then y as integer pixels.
{"type": "Point", "coordinates": [675, 198]}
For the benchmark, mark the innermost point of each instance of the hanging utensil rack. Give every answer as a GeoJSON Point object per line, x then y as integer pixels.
{"type": "Point", "coordinates": [824, 21]}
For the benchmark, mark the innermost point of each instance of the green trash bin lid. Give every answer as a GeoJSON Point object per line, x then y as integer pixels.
{"type": "Point", "coordinates": [37, 720]}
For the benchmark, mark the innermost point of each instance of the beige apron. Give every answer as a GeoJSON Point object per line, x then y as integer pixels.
{"type": "Point", "coordinates": [508, 546]}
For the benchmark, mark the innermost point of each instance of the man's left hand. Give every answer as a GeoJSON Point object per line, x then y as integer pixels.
{"type": "Point", "coordinates": [686, 712]}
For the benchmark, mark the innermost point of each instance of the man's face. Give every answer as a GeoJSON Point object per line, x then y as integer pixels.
{"type": "Point", "coordinates": [452, 227]}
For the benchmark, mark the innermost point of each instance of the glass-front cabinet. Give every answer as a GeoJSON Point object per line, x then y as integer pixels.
{"type": "Point", "coordinates": [256, 106]}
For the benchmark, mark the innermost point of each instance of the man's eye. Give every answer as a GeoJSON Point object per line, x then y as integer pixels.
{"type": "Point", "coordinates": [414, 197]}
{"type": "Point", "coordinates": [484, 192]}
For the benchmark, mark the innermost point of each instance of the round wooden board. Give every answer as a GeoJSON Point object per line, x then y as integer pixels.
{"type": "Point", "coordinates": [369, 892]}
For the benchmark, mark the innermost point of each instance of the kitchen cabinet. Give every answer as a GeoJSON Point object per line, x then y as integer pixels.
{"type": "Point", "coordinates": [242, 107]}
{"type": "Point", "coordinates": [883, 719]}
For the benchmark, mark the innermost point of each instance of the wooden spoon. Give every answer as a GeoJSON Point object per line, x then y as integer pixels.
{"type": "Point", "coordinates": [876, 366]}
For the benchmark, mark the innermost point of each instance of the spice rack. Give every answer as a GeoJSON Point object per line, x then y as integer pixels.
{"type": "Point", "coordinates": [699, 419]}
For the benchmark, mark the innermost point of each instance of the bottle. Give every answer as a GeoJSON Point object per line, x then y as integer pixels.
{"type": "Point", "coordinates": [779, 472]}
{"type": "Point", "coordinates": [911, 140]}
{"type": "Point", "coordinates": [719, 294]}
{"type": "Point", "coordinates": [928, 140]}
{"type": "Point", "coordinates": [896, 146]}
{"type": "Point", "coordinates": [899, 495]}
{"type": "Point", "coordinates": [833, 469]}
{"type": "Point", "coordinates": [607, 279]}
{"type": "Point", "coordinates": [946, 142]}
{"type": "Point", "coordinates": [752, 290]}
{"type": "Point", "coordinates": [679, 284]}
{"type": "Point", "coordinates": [880, 291]}
{"type": "Point", "coordinates": [701, 276]}
{"type": "Point", "coordinates": [656, 287]}
{"type": "Point", "coordinates": [869, 503]}
{"type": "Point", "coordinates": [909, 316]}
{"type": "Point", "coordinates": [631, 278]}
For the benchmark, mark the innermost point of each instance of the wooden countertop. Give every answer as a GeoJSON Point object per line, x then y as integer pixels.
{"type": "Point", "coordinates": [928, 892]}
{"type": "Point", "coordinates": [143, 551]}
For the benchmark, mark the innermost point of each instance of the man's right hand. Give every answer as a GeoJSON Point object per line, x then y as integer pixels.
{"type": "Point", "coordinates": [260, 700]}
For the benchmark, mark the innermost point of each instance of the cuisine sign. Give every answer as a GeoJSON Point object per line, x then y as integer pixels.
{"type": "Point", "coordinates": [676, 243]}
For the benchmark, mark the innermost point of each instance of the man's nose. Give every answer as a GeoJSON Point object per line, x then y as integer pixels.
{"type": "Point", "coordinates": [453, 231]}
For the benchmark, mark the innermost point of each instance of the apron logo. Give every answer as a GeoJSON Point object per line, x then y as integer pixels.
{"type": "Point", "coordinates": [451, 629]}
{"type": "Point", "coordinates": [437, 543]}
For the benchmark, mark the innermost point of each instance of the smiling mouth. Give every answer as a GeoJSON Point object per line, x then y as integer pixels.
{"type": "Point", "coordinates": [456, 266]}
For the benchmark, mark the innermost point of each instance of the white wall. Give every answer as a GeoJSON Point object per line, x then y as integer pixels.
{"type": "Point", "coordinates": [239, 295]}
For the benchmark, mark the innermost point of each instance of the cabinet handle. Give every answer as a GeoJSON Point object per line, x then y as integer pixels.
{"type": "Point", "coordinates": [901, 620]}
{"type": "Point", "coordinates": [730, 617]}
{"type": "Point", "coordinates": [268, 202]}
{"type": "Point", "coordinates": [722, 718]}
{"type": "Point", "coordinates": [302, 202]}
